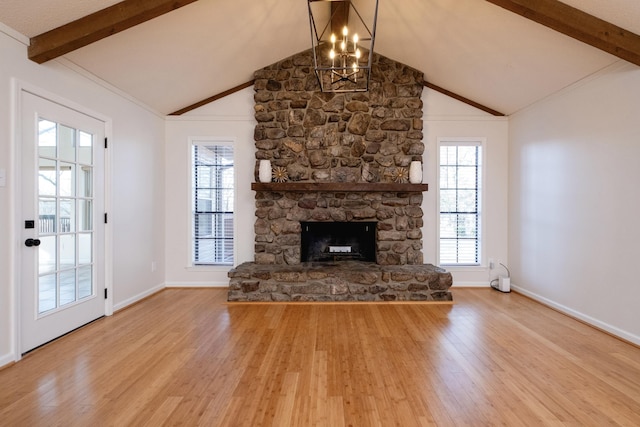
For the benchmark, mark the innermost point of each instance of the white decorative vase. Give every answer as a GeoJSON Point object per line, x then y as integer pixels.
{"type": "Point", "coordinates": [415, 172]}
{"type": "Point", "coordinates": [264, 172]}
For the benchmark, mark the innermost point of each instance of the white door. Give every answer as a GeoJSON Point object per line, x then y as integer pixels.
{"type": "Point", "coordinates": [62, 256]}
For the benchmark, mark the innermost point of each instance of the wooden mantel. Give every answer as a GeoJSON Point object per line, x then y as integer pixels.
{"type": "Point", "coordinates": [339, 186]}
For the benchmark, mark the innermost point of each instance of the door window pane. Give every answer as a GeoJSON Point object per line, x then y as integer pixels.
{"type": "Point", "coordinates": [85, 181]}
{"type": "Point", "coordinates": [47, 254]}
{"type": "Point", "coordinates": [85, 282]}
{"type": "Point", "coordinates": [47, 138]}
{"type": "Point", "coordinates": [47, 293]}
{"type": "Point", "coordinates": [85, 213]}
{"type": "Point", "coordinates": [67, 287]}
{"type": "Point", "coordinates": [84, 248]}
{"type": "Point", "coordinates": [85, 148]}
{"type": "Point", "coordinates": [67, 180]}
{"type": "Point", "coordinates": [47, 216]}
{"type": "Point", "coordinates": [47, 177]}
{"type": "Point", "coordinates": [66, 143]}
{"type": "Point", "coordinates": [67, 216]}
{"type": "Point", "coordinates": [67, 250]}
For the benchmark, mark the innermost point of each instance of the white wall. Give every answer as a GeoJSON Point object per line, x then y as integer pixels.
{"type": "Point", "coordinates": [137, 190]}
{"type": "Point", "coordinates": [574, 200]}
{"type": "Point", "coordinates": [231, 119]}
{"type": "Point", "coordinates": [447, 117]}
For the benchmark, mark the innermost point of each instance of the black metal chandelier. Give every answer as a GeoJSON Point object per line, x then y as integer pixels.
{"type": "Point", "coordinates": [342, 45]}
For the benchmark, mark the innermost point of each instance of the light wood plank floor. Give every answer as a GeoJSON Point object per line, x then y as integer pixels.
{"type": "Point", "coordinates": [184, 357]}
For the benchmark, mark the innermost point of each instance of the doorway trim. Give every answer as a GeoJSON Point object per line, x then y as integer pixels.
{"type": "Point", "coordinates": [19, 87]}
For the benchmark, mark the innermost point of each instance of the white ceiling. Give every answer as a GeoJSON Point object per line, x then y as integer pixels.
{"type": "Point", "coordinates": [470, 47]}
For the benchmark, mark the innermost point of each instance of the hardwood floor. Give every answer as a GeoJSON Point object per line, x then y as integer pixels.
{"type": "Point", "coordinates": [184, 357]}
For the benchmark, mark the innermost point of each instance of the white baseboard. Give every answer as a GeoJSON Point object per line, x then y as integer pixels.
{"type": "Point", "coordinates": [627, 336]}
{"type": "Point", "coordinates": [7, 359]}
{"type": "Point", "coordinates": [197, 284]}
{"type": "Point", "coordinates": [138, 297]}
{"type": "Point", "coordinates": [470, 284]}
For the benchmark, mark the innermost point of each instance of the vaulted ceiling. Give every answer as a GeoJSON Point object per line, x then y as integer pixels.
{"type": "Point", "coordinates": [473, 48]}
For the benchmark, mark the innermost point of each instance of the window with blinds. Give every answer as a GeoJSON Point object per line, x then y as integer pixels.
{"type": "Point", "coordinates": [213, 201]}
{"type": "Point", "coordinates": [460, 196]}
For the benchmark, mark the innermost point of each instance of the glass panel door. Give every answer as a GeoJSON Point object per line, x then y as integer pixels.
{"type": "Point", "coordinates": [62, 204]}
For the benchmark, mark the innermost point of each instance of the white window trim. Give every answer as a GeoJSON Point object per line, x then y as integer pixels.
{"type": "Point", "coordinates": [464, 141]}
{"type": "Point", "coordinates": [208, 140]}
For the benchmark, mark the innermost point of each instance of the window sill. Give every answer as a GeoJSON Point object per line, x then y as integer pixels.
{"type": "Point", "coordinates": [454, 267]}
{"type": "Point", "coordinates": [209, 267]}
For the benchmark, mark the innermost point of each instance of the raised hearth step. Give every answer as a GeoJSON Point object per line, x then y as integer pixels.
{"type": "Point", "coordinates": [339, 281]}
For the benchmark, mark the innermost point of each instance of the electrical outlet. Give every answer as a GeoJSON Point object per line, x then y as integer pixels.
{"type": "Point", "coordinates": [153, 266]}
{"type": "Point", "coordinates": [492, 264]}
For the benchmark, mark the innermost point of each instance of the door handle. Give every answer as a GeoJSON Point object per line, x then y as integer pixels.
{"type": "Point", "coordinates": [32, 242]}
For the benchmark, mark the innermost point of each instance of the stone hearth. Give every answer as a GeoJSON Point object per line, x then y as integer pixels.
{"type": "Point", "coordinates": [339, 281]}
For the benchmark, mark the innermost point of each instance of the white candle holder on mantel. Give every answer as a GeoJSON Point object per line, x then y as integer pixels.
{"type": "Point", "coordinates": [264, 171]}
{"type": "Point", "coordinates": [415, 172]}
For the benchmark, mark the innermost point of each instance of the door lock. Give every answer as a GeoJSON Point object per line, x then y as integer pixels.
{"type": "Point", "coordinates": [32, 242]}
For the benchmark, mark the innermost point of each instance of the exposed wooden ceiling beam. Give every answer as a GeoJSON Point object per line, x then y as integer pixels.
{"type": "Point", "coordinates": [212, 98]}
{"type": "Point", "coordinates": [97, 26]}
{"type": "Point", "coordinates": [339, 16]}
{"type": "Point", "coordinates": [579, 25]}
{"type": "Point", "coordinates": [463, 99]}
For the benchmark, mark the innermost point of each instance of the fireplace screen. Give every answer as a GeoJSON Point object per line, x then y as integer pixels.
{"type": "Point", "coordinates": [338, 241]}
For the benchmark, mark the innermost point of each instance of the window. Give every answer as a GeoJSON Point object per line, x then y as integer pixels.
{"type": "Point", "coordinates": [213, 201]}
{"type": "Point", "coordinates": [460, 199]}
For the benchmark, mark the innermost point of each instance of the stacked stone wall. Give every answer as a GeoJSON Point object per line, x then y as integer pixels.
{"type": "Point", "coordinates": [338, 137]}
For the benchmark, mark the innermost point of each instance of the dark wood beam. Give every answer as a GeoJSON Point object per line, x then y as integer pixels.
{"type": "Point", "coordinates": [97, 26]}
{"type": "Point", "coordinates": [212, 98]}
{"type": "Point", "coordinates": [339, 17]}
{"type": "Point", "coordinates": [463, 99]}
{"type": "Point", "coordinates": [579, 25]}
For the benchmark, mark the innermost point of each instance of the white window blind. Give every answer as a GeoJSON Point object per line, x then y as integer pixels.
{"type": "Point", "coordinates": [460, 196]}
{"type": "Point", "coordinates": [213, 201]}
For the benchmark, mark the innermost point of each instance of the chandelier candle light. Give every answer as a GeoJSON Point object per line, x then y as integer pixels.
{"type": "Point", "coordinates": [339, 60]}
{"type": "Point", "coordinates": [348, 50]}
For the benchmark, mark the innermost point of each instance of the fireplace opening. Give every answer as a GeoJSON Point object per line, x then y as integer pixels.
{"type": "Point", "coordinates": [338, 241]}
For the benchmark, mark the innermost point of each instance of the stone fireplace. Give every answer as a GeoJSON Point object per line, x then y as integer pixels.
{"type": "Point", "coordinates": [343, 159]}
{"type": "Point", "coordinates": [338, 241]}
{"type": "Point", "coordinates": [398, 218]}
